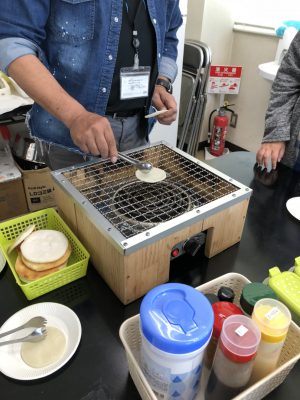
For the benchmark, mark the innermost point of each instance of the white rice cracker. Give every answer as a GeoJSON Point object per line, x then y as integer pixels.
{"type": "Point", "coordinates": [44, 246]}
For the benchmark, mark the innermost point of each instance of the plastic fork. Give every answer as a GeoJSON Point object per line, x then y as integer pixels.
{"type": "Point", "coordinates": [35, 322]}
{"type": "Point", "coordinates": [156, 113]}
{"type": "Point", "coordinates": [35, 336]}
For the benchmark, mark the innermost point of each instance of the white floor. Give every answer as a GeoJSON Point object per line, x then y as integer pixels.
{"type": "Point", "coordinates": [201, 155]}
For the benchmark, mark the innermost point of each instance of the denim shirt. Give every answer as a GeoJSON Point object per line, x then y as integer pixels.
{"type": "Point", "coordinates": [77, 40]}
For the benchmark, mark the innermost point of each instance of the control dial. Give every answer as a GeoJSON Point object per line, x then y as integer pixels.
{"type": "Point", "coordinates": [192, 245]}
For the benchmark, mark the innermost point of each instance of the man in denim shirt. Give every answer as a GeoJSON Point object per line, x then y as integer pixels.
{"type": "Point", "coordinates": [64, 54]}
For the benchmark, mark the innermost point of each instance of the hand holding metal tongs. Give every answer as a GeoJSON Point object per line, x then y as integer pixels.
{"type": "Point", "coordinates": [39, 333]}
{"type": "Point", "coordinates": [144, 166]}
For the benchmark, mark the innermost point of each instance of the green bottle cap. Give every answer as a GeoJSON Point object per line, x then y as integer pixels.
{"type": "Point", "coordinates": [253, 292]}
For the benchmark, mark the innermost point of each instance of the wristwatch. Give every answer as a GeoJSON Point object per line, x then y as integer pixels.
{"type": "Point", "coordinates": [166, 84]}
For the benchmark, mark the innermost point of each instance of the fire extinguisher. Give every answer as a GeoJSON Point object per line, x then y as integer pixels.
{"type": "Point", "coordinates": [219, 131]}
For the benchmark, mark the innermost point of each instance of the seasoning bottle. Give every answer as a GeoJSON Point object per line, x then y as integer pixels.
{"type": "Point", "coordinates": [222, 310]}
{"type": "Point", "coordinates": [273, 319]}
{"type": "Point", "coordinates": [252, 292]}
{"type": "Point", "coordinates": [226, 294]}
{"type": "Point", "coordinates": [233, 362]}
{"type": "Point", "coordinates": [176, 323]}
{"type": "Point", "coordinates": [211, 297]}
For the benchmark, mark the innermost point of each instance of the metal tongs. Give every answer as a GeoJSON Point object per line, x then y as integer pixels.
{"type": "Point", "coordinates": [144, 166]}
{"type": "Point", "coordinates": [36, 335]}
{"type": "Point", "coordinates": [39, 333]}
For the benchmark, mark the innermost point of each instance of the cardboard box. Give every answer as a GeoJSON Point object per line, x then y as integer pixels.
{"type": "Point", "coordinates": [12, 197]}
{"type": "Point", "coordinates": [39, 188]}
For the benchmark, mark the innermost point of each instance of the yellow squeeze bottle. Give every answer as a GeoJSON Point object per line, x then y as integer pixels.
{"type": "Point", "coordinates": [273, 319]}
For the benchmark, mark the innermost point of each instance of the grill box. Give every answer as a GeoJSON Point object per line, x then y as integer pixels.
{"type": "Point", "coordinates": [130, 227]}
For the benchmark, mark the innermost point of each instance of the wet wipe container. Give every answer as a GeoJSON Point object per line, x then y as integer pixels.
{"type": "Point", "coordinates": [176, 324]}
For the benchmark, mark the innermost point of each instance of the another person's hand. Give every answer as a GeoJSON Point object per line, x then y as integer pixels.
{"type": "Point", "coordinates": [267, 178]}
{"type": "Point", "coordinates": [93, 134]}
{"type": "Point", "coordinates": [273, 152]}
{"type": "Point", "coordinates": [162, 99]}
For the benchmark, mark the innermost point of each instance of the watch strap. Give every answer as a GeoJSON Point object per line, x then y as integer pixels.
{"type": "Point", "coordinates": [166, 84]}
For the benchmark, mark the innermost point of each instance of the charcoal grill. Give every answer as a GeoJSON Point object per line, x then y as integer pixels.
{"type": "Point", "coordinates": [130, 227]}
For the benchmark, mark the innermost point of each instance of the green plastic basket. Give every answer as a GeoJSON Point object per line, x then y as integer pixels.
{"type": "Point", "coordinates": [44, 219]}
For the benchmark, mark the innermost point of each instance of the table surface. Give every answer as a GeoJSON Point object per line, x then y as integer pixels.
{"type": "Point", "coordinates": [99, 370]}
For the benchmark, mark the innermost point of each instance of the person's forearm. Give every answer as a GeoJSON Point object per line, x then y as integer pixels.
{"type": "Point", "coordinates": [32, 76]}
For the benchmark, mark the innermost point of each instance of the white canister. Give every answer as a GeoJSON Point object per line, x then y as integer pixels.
{"type": "Point", "coordinates": [176, 325]}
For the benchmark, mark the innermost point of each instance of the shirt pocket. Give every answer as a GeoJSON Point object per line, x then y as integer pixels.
{"type": "Point", "coordinates": [72, 20]}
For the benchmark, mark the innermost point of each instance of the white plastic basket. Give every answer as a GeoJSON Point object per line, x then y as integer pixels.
{"type": "Point", "coordinates": [131, 339]}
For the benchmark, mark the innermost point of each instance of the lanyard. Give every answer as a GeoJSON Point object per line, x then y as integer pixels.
{"type": "Point", "coordinates": [135, 39]}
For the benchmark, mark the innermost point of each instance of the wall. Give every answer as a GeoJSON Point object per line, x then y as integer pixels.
{"type": "Point", "coordinates": [250, 50]}
{"type": "Point", "coordinates": [194, 19]}
{"type": "Point", "coordinates": [212, 23]}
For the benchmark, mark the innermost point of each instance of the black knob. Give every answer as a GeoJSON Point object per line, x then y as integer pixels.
{"type": "Point", "coordinates": [226, 294]}
{"type": "Point", "coordinates": [192, 245]}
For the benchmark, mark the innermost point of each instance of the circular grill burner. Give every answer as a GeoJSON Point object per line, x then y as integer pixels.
{"type": "Point", "coordinates": [149, 204]}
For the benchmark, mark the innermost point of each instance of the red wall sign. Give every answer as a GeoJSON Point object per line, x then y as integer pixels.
{"type": "Point", "coordinates": [224, 79]}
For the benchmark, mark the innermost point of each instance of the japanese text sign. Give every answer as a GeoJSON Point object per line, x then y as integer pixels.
{"type": "Point", "coordinates": [224, 79]}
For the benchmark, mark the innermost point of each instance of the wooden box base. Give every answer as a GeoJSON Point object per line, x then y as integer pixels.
{"type": "Point", "coordinates": [131, 276]}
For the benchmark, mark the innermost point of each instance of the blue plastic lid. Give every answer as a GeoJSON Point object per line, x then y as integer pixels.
{"type": "Point", "coordinates": [176, 318]}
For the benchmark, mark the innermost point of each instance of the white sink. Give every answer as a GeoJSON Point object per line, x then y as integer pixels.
{"type": "Point", "coordinates": [268, 70]}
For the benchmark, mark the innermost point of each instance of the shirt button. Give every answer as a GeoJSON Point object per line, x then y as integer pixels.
{"type": "Point", "coordinates": [110, 57]}
{"type": "Point", "coordinates": [104, 90]}
{"type": "Point", "coordinates": [159, 55]}
{"type": "Point", "coordinates": [116, 19]}
{"type": "Point", "coordinates": [154, 21]}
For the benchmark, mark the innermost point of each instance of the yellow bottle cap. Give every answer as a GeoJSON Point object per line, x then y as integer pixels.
{"type": "Point", "coordinates": [273, 319]}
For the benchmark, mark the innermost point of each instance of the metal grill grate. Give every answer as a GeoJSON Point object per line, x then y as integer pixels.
{"type": "Point", "coordinates": [150, 205]}
{"type": "Point", "coordinates": [132, 206]}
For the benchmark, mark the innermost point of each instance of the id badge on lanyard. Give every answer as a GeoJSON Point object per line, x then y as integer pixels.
{"type": "Point", "coordinates": [134, 81]}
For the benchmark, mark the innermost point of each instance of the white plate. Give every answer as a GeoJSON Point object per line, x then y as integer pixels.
{"type": "Point", "coordinates": [57, 315]}
{"type": "Point", "coordinates": [293, 206]}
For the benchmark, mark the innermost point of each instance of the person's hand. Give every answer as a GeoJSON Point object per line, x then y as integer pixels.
{"type": "Point", "coordinates": [162, 99]}
{"type": "Point", "coordinates": [270, 152]}
{"type": "Point", "coordinates": [93, 134]}
{"type": "Point", "coordinates": [267, 178]}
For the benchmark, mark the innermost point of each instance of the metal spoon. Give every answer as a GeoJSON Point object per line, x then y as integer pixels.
{"type": "Point", "coordinates": [35, 336]}
{"type": "Point", "coordinates": [35, 322]}
{"type": "Point", "coordinates": [144, 166]}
